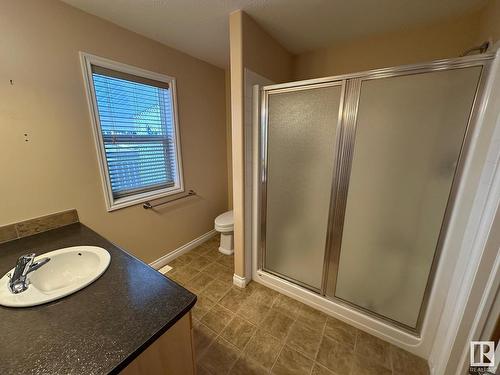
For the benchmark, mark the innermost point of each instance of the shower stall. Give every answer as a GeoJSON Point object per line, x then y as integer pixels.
{"type": "Point", "coordinates": [356, 180]}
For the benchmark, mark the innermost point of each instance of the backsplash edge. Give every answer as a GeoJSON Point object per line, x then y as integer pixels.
{"type": "Point", "coordinates": [29, 227]}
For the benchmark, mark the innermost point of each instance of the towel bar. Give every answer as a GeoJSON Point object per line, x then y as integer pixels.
{"type": "Point", "coordinates": [147, 205]}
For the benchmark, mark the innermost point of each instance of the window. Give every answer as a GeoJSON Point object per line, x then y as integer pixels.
{"type": "Point", "coordinates": [136, 131]}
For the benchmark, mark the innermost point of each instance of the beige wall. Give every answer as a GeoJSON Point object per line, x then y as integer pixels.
{"type": "Point", "coordinates": [264, 55]}
{"type": "Point", "coordinates": [57, 168]}
{"type": "Point", "coordinates": [229, 150]}
{"type": "Point", "coordinates": [448, 38]}
{"type": "Point", "coordinates": [489, 22]}
{"type": "Point", "coordinates": [237, 152]}
{"type": "Point", "coordinates": [250, 47]}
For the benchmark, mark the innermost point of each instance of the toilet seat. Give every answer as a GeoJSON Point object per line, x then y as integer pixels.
{"type": "Point", "coordinates": [224, 222]}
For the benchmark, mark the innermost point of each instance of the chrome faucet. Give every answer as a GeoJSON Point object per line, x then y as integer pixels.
{"type": "Point", "coordinates": [25, 264]}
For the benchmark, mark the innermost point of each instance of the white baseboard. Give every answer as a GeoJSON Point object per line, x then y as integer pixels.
{"type": "Point", "coordinates": [240, 281]}
{"type": "Point", "coordinates": [167, 258]}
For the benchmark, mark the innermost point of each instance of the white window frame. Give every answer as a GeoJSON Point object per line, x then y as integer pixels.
{"type": "Point", "coordinates": [87, 60]}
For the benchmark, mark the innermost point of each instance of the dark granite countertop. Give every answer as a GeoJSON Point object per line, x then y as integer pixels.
{"type": "Point", "coordinates": [97, 330]}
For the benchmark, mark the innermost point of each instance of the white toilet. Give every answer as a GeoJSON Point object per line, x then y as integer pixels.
{"type": "Point", "coordinates": [224, 224]}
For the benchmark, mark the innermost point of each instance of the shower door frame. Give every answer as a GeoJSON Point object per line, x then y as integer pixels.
{"type": "Point", "coordinates": [346, 128]}
{"type": "Point", "coordinates": [263, 143]}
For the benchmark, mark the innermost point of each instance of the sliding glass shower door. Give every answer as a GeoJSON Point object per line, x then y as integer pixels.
{"type": "Point", "coordinates": [358, 177]}
{"type": "Point", "coordinates": [302, 134]}
{"type": "Point", "coordinates": [409, 132]}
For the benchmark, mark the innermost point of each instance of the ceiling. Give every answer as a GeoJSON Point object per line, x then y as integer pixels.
{"type": "Point", "coordinates": [200, 27]}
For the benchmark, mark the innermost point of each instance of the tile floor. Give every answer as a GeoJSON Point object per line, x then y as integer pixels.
{"type": "Point", "coordinates": [257, 330]}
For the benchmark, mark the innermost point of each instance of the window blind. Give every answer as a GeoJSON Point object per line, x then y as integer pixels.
{"type": "Point", "coordinates": [136, 124]}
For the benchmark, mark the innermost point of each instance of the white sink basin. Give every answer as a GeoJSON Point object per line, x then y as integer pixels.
{"type": "Point", "coordinates": [69, 270]}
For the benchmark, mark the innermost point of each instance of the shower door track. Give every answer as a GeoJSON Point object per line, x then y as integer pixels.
{"type": "Point", "coordinates": [351, 86]}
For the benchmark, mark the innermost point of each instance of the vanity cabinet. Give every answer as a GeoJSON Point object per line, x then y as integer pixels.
{"type": "Point", "coordinates": [172, 353]}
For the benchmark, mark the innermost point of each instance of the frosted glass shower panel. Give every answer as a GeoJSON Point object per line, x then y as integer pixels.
{"type": "Point", "coordinates": [409, 133]}
{"type": "Point", "coordinates": [302, 136]}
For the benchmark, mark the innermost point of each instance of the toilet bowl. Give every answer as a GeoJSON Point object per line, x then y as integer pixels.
{"type": "Point", "coordinates": [224, 224]}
